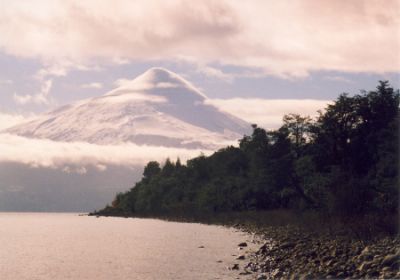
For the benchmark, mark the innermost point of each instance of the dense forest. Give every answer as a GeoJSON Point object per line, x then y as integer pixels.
{"type": "Point", "coordinates": [344, 163]}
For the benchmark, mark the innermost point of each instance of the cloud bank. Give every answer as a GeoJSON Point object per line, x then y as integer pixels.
{"type": "Point", "coordinates": [72, 156]}
{"type": "Point", "coordinates": [286, 38]}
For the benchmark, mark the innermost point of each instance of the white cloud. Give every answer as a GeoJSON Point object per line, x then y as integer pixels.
{"type": "Point", "coordinates": [79, 170]}
{"type": "Point", "coordinates": [55, 70]}
{"type": "Point", "coordinates": [286, 38]}
{"type": "Point", "coordinates": [9, 120]}
{"type": "Point", "coordinates": [47, 153]}
{"type": "Point", "coordinates": [60, 68]}
{"type": "Point", "coordinates": [42, 97]}
{"type": "Point", "coordinates": [134, 97]}
{"type": "Point", "coordinates": [268, 113]}
{"type": "Point", "coordinates": [92, 85]}
{"type": "Point", "coordinates": [215, 73]}
{"type": "Point", "coordinates": [122, 82]}
{"type": "Point", "coordinates": [22, 99]}
{"type": "Point", "coordinates": [45, 77]}
{"type": "Point", "coordinates": [338, 79]}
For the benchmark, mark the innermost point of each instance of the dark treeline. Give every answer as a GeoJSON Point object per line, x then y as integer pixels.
{"type": "Point", "coordinates": [343, 164]}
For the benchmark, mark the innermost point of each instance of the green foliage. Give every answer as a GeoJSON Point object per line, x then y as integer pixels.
{"type": "Point", "coordinates": [151, 170]}
{"type": "Point", "coordinates": [345, 163]}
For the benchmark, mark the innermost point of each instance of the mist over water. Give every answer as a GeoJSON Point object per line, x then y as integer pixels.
{"type": "Point", "coordinates": [68, 246]}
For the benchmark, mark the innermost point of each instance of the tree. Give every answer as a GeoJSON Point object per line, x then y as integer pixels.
{"type": "Point", "coordinates": [168, 168]}
{"type": "Point", "coordinates": [151, 169]}
{"type": "Point", "coordinates": [257, 142]}
{"type": "Point", "coordinates": [299, 130]}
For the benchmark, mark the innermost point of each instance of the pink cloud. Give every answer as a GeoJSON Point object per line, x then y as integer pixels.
{"type": "Point", "coordinates": [286, 38]}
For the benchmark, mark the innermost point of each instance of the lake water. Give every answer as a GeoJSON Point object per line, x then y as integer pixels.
{"type": "Point", "coordinates": [68, 246]}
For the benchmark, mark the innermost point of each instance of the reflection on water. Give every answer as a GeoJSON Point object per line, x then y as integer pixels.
{"type": "Point", "coordinates": [68, 246]}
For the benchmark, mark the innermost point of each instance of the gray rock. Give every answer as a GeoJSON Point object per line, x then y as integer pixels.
{"type": "Point", "coordinates": [330, 263]}
{"type": "Point", "coordinates": [364, 266]}
{"type": "Point", "coordinates": [390, 260]}
{"type": "Point", "coordinates": [340, 274]}
{"type": "Point", "coordinates": [276, 273]}
{"type": "Point", "coordinates": [327, 258]}
{"type": "Point", "coordinates": [373, 274]}
{"type": "Point", "coordinates": [366, 257]}
{"type": "Point", "coordinates": [261, 277]}
{"type": "Point", "coordinates": [366, 250]}
{"type": "Point", "coordinates": [287, 245]}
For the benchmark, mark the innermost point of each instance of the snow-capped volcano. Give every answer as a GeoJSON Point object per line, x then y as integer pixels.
{"type": "Point", "coordinates": [157, 108]}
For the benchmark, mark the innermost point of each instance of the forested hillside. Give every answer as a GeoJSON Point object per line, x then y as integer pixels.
{"type": "Point", "coordinates": [344, 163]}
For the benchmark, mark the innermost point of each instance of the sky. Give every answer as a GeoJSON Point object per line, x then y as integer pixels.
{"type": "Point", "coordinates": [57, 52]}
{"type": "Point", "coordinates": [256, 59]}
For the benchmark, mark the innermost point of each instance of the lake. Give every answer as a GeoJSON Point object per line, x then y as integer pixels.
{"type": "Point", "coordinates": [69, 246]}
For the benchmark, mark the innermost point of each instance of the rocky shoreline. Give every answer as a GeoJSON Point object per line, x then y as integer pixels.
{"type": "Point", "coordinates": [290, 253]}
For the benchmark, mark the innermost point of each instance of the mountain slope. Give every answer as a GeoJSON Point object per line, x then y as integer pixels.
{"type": "Point", "coordinates": [157, 108]}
